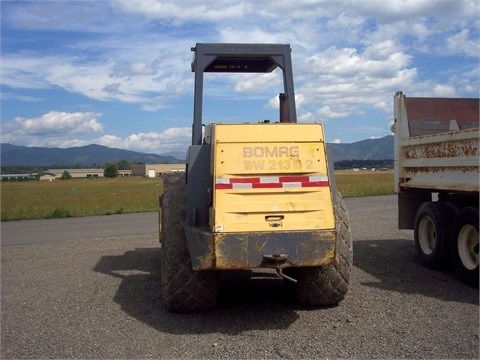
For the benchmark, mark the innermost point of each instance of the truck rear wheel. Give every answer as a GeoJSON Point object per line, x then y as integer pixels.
{"type": "Point", "coordinates": [431, 232]}
{"type": "Point", "coordinates": [326, 285]}
{"type": "Point", "coordinates": [464, 245]}
{"type": "Point", "coordinates": [183, 289]}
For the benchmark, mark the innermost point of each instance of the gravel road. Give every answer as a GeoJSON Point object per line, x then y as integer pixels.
{"type": "Point", "coordinates": [84, 293]}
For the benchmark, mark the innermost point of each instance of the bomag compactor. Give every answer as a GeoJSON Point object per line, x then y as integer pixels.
{"type": "Point", "coordinates": [255, 195]}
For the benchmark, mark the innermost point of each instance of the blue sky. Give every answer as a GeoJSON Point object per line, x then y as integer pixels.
{"type": "Point", "coordinates": [117, 72]}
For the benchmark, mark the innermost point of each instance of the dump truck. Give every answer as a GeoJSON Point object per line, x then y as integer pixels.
{"type": "Point", "coordinates": [259, 194]}
{"type": "Point", "coordinates": [436, 161]}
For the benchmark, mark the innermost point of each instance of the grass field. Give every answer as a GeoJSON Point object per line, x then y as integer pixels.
{"type": "Point", "coordinates": [78, 197]}
{"type": "Point", "coordinates": [364, 183]}
{"type": "Point", "coordinates": [85, 197]}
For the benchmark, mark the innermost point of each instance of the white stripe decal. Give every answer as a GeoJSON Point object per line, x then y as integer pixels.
{"type": "Point", "coordinates": [271, 179]}
{"type": "Point", "coordinates": [318, 178]}
{"type": "Point", "coordinates": [222, 181]}
{"type": "Point", "coordinates": [242, 186]}
{"type": "Point", "coordinates": [291, 184]}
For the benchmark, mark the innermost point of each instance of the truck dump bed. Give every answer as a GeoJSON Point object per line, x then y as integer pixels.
{"type": "Point", "coordinates": [436, 144]}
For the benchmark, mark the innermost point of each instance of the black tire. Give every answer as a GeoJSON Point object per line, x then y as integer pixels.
{"type": "Point", "coordinates": [431, 232]}
{"type": "Point", "coordinates": [326, 285]}
{"type": "Point", "coordinates": [464, 246]}
{"type": "Point", "coordinates": [183, 289]}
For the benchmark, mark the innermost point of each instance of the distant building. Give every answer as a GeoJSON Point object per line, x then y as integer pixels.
{"type": "Point", "coordinates": [46, 176]}
{"type": "Point", "coordinates": [17, 177]}
{"type": "Point", "coordinates": [79, 173]}
{"type": "Point", "coordinates": [156, 170]}
{"type": "Point", "coordinates": [52, 174]}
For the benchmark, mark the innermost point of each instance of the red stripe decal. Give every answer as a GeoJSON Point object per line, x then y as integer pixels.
{"type": "Point", "coordinates": [223, 186]}
{"type": "Point", "coordinates": [244, 180]}
{"type": "Point", "coordinates": [300, 179]}
{"type": "Point", "coordinates": [266, 185]}
{"type": "Point", "coordinates": [283, 181]}
{"type": "Point", "coordinates": [315, 183]}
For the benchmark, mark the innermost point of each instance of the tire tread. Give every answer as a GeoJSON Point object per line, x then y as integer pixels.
{"type": "Point", "coordinates": [183, 289]}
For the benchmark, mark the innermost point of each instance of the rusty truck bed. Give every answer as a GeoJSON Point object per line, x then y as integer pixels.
{"type": "Point", "coordinates": [437, 143]}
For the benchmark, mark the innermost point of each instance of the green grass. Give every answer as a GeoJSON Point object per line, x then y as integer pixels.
{"type": "Point", "coordinates": [364, 183]}
{"type": "Point", "coordinates": [78, 197]}
{"type": "Point", "coordinates": [86, 197]}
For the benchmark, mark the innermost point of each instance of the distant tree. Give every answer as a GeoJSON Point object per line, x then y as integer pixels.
{"type": "Point", "coordinates": [124, 165]}
{"type": "Point", "coordinates": [110, 171]}
{"type": "Point", "coordinates": [18, 169]}
{"type": "Point", "coordinates": [66, 175]}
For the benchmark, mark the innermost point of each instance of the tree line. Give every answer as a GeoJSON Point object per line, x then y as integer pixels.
{"type": "Point", "coordinates": [16, 169]}
{"type": "Point", "coordinates": [360, 164]}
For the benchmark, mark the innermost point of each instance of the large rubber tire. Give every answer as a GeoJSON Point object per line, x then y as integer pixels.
{"type": "Point", "coordinates": [431, 232]}
{"type": "Point", "coordinates": [183, 289]}
{"type": "Point", "coordinates": [464, 246]}
{"type": "Point", "coordinates": [326, 285]}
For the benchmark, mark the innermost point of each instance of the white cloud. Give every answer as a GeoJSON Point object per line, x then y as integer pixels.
{"type": "Point", "coordinates": [443, 91]}
{"type": "Point", "coordinates": [76, 16]}
{"type": "Point", "coordinates": [5, 96]}
{"type": "Point", "coordinates": [178, 12]}
{"type": "Point", "coordinates": [52, 129]}
{"type": "Point", "coordinates": [258, 82]}
{"type": "Point", "coordinates": [406, 9]}
{"type": "Point", "coordinates": [464, 42]}
{"type": "Point", "coordinates": [135, 71]}
{"type": "Point", "coordinates": [55, 122]}
{"type": "Point", "coordinates": [255, 35]}
{"type": "Point", "coordinates": [349, 56]}
{"type": "Point", "coordinates": [326, 112]}
{"type": "Point", "coordinates": [339, 82]}
{"type": "Point", "coordinates": [112, 141]}
{"type": "Point", "coordinates": [142, 68]}
{"type": "Point", "coordinates": [172, 139]}
{"type": "Point", "coordinates": [17, 70]}
{"type": "Point", "coordinates": [62, 129]}
{"type": "Point", "coordinates": [142, 84]}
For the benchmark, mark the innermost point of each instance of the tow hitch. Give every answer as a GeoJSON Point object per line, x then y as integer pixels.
{"type": "Point", "coordinates": [278, 262]}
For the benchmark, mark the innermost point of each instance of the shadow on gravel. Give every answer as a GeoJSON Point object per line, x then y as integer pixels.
{"type": "Point", "coordinates": [394, 265]}
{"type": "Point", "coordinates": [248, 301]}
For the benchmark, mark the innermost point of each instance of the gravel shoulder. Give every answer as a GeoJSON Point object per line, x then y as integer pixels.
{"type": "Point", "coordinates": [93, 296]}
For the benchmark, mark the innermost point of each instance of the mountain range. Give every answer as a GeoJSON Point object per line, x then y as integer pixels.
{"type": "Point", "coordinates": [13, 155]}
{"type": "Point", "coordinates": [370, 149]}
